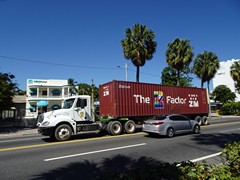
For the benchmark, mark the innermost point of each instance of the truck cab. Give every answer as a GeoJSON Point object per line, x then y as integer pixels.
{"type": "Point", "coordinates": [75, 116]}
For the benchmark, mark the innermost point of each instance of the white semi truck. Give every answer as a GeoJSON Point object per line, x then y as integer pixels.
{"type": "Point", "coordinates": [77, 116]}
{"type": "Point", "coordinates": [122, 105]}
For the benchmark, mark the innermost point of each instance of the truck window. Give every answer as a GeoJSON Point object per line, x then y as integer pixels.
{"type": "Point", "coordinates": [81, 103]}
{"type": "Point", "coordinates": [68, 103]}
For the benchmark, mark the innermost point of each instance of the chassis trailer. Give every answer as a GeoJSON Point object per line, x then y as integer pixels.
{"type": "Point", "coordinates": [122, 104]}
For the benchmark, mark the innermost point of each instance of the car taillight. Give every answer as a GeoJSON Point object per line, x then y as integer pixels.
{"type": "Point", "coordinates": [157, 123]}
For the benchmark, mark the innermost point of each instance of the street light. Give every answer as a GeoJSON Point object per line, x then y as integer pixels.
{"type": "Point", "coordinates": [126, 70]}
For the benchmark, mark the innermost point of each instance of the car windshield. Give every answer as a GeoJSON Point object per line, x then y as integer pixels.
{"type": "Point", "coordinates": [159, 117]}
{"type": "Point", "coordinates": [68, 103]}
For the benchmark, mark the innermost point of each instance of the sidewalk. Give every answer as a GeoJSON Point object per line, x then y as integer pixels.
{"type": "Point", "coordinates": [11, 132]}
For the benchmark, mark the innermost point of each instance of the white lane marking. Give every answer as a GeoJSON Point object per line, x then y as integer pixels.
{"type": "Point", "coordinates": [94, 152]}
{"type": "Point", "coordinates": [14, 140]}
{"type": "Point", "coordinates": [230, 130]}
{"type": "Point", "coordinates": [206, 157]}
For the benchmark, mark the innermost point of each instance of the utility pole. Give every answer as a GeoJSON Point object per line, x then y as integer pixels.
{"type": "Point", "coordinates": [93, 109]}
{"type": "Point", "coordinates": [126, 68]}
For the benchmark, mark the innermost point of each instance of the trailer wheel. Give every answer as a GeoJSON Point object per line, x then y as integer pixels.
{"type": "Point", "coordinates": [108, 127]}
{"type": "Point", "coordinates": [115, 128]}
{"type": "Point", "coordinates": [205, 120]}
{"type": "Point", "coordinates": [170, 132]}
{"type": "Point", "coordinates": [63, 132]}
{"type": "Point", "coordinates": [199, 120]}
{"type": "Point", "coordinates": [129, 127]}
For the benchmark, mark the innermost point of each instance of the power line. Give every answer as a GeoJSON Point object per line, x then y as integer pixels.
{"type": "Point", "coordinates": [70, 65]}
{"type": "Point", "coordinates": [56, 64]}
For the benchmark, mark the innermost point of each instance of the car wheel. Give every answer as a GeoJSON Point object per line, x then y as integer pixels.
{"type": "Point", "coordinates": [115, 128]}
{"type": "Point", "coordinates": [170, 132]}
{"type": "Point", "coordinates": [63, 132]}
{"type": "Point", "coordinates": [196, 129]}
{"type": "Point", "coordinates": [129, 127]}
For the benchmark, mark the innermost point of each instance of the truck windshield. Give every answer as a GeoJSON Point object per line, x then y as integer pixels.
{"type": "Point", "coordinates": [68, 103]}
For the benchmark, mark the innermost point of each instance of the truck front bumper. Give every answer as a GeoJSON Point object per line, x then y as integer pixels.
{"type": "Point", "coordinates": [46, 131]}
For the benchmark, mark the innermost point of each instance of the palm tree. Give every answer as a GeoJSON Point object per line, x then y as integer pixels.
{"type": "Point", "coordinates": [72, 85]}
{"type": "Point", "coordinates": [235, 74]}
{"type": "Point", "coordinates": [139, 46]}
{"type": "Point", "coordinates": [179, 55]}
{"type": "Point", "coordinates": [206, 66]}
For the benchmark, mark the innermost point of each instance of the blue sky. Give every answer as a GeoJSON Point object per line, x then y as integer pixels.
{"type": "Point", "coordinates": [81, 39]}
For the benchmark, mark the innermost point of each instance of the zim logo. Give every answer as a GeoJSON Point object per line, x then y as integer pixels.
{"type": "Point", "coordinates": [193, 100]}
{"type": "Point", "coordinates": [30, 81]}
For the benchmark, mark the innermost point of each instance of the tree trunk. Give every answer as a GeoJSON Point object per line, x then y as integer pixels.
{"type": "Point", "coordinates": [201, 83]}
{"type": "Point", "coordinates": [208, 82]}
{"type": "Point", "coordinates": [137, 73]}
{"type": "Point", "coordinates": [178, 79]}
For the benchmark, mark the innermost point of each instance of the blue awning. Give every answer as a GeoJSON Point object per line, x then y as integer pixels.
{"type": "Point", "coordinates": [31, 107]}
{"type": "Point", "coordinates": [56, 91]}
{"type": "Point", "coordinates": [33, 91]}
{"type": "Point", "coordinates": [56, 106]}
{"type": "Point", "coordinates": [42, 103]}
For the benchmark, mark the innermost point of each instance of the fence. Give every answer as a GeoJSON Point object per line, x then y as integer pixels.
{"type": "Point", "coordinates": [14, 118]}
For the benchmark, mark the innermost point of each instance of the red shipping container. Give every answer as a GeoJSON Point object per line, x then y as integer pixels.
{"type": "Point", "coordinates": [130, 99]}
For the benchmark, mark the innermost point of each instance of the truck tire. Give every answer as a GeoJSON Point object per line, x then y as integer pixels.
{"type": "Point", "coordinates": [129, 127]}
{"type": "Point", "coordinates": [115, 128]}
{"type": "Point", "coordinates": [63, 132]}
{"type": "Point", "coordinates": [205, 120]}
{"type": "Point", "coordinates": [170, 132]}
{"type": "Point", "coordinates": [199, 120]}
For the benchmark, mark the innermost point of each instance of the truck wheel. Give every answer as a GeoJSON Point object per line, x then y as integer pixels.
{"type": "Point", "coordinates": [199, 120]}
{"type": "Point", "coordinates": [170, 132]}
{"type": "Point", "coordinates": [196, 129]}
{"type": "Point", "coordinates": [205, 120]}
{"type": "Point", "coordinates": [129, 127]}
{"type": "Point", "coordinates": [63, 132]}
{"type": "Point", "coordinates": [115, 128]}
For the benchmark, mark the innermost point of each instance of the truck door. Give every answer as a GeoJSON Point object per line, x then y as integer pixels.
{"type": "Point", "coordinates": [81, 110]}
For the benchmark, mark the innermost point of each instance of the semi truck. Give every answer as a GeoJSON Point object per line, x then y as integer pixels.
{"type": "Point", "coordinates": [123, 104]}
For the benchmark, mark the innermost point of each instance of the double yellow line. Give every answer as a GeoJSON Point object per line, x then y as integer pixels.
{"type": "Point", "coordinates": [67, 142]}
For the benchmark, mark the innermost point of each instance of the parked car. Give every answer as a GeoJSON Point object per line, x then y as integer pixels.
{"type": "Point", "coordinates": [170, 125]}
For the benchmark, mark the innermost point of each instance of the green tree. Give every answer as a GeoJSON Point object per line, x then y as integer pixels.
{"type": "Point", "coordinates": [179, 55]}
{"type": "Point", "coordinates": [85, 89]}
{"type": "Point", "coordinates": [139, 46]}
{"type": "Point", "coordinates": [223, 94]}
{"type": "Point", "coordinates": [7, 90]}
{"type": "Point", "coordinates": [169, 77]}
{"type": "Point", "coordinates": [235, 74]}
{"type": "Point", "coordinates": [206, 66]}
{"type": "Point", "coordinates": [72, 85]}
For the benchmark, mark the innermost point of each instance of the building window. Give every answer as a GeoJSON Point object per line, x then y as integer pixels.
{"type": "Point", "coordinates": [44, 93]}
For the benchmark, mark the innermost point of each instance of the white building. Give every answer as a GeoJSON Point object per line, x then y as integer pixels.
{"type": "Point", "coordinates": [45, 95]}
{"type": "Point", "coordinates": [223, 77]}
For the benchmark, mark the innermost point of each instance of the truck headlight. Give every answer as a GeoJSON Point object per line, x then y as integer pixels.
{"type": "Point", "coordinates": [40, 118]}
{"type": "Point", "coordinates": [46, 123]}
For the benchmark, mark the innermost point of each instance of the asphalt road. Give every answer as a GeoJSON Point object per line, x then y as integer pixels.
{"type": "Point", "coordinates": [91, 155]}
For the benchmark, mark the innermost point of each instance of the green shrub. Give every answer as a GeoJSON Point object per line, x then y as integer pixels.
{"type": "Point", "coordinates": [231, 153]}
{"type": "Point", "coordinates": [230, 108]}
